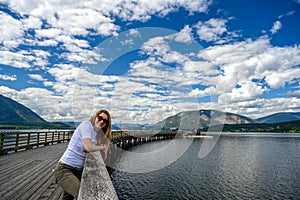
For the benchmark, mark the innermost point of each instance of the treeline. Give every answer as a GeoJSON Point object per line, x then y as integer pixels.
{"type": "Point", "coordinates": [49, 125]}
{"type": "Point", "coordinates": [283, 127]}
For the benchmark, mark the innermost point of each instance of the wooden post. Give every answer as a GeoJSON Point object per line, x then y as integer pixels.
{"type": "Point", "coordinates": [17, 141]}
{"type": "Point", "coordinates": [95, 181]}
{"type": "Point", "coordinates": [28, 139]}
{"type": "Point", "coordinates": [52, 137]}
{"type": "Point", "coordinates": [46, 138]}
{"type": "Point", "coordinates": [1, 141]}
{"type": "Point", "coordinates": [38, 139]}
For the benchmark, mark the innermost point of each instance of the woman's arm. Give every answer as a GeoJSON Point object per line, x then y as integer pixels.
{"type": "Point", "coordinates": [90, 147]}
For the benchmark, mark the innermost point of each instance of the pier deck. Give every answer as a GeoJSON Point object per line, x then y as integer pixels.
{"type": "Point", "coordinates": [28, 174]}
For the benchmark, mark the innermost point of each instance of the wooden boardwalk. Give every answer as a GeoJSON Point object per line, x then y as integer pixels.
{"type": "Point", "coordinates": [28, 174]}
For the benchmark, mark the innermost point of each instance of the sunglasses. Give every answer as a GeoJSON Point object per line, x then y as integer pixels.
{"type": "Point", "coordinates": [100, 118]}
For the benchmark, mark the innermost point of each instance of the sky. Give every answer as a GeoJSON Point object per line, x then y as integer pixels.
{"type": "Point", "coordinates": [147, 60]}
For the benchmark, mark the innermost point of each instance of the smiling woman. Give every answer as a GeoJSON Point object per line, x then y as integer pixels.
{"type": "Point", "coordinates": [90, 136]}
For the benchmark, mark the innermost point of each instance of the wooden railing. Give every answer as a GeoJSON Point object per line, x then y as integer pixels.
{"type": "Point", "coordinates": [95, 181]}
{"type": "Point", "coordinates": [14, 141]}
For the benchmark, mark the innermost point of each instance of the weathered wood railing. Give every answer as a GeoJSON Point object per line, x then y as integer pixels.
{"type": "Point", "coordinates": [14, 141]}
{"type": "Point", "coordinates": [95, 181]}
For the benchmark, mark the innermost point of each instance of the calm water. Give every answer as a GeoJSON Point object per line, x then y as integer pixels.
{"type": "Point", "coordinates": [238, 167]}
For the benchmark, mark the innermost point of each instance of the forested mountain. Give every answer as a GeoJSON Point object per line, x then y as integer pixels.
{"type": "Point", "coordinates": [14, 115]}
{"type": "Point", "coordinates": [280, 117]}
{"type": "Point", "coordinates": [200, 119]}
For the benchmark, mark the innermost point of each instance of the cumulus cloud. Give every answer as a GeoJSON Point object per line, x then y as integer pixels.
{"type": "Point", "coordinates": [243, 63]}
{"type": "Point", "coordinates": [36, 77]}
{"type": "Point", "coordinates": [12, 31]}
{"type": "Point", "coordinates": [185, 35]}
{"type": "Point", "coordinates": [259, 53]}
{"type": "Point", "coordinates": [143, 10]}
{"type": "Point", "coordinates": [270, 106]}
{"type": "Point", "coordinates": [211, 30]}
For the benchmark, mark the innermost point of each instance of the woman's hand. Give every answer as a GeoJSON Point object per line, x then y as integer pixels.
{"type": "Point", "coordinates": [104, 150]}
{"type": "Point", "coordinates": [102, 146]}
{"type": "Point", "coordinates": [104, 154]}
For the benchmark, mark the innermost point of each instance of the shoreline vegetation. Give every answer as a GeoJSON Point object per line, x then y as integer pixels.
{"type": "Point", "coordinates": [24, 127]}
{"type": "Point", "coordinates": [282, 127]}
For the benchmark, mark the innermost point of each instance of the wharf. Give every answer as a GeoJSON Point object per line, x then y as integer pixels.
{"type": "Point", "coordinates": [28, 174]}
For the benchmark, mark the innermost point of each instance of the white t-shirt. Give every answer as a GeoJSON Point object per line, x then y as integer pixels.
{"type": "Point", "coordinates": [75, 153]}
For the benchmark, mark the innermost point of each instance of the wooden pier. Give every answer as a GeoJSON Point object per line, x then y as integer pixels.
{"type": "Point", "coordinates": [28, 174]}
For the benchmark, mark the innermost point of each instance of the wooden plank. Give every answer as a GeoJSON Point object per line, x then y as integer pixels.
{"type": "Point", "coordinates": [28, 174]}
{"type": "Point", "coordinates": [46, 190]}
{"type": "Point", "coordinates": [57, 194]}
{"type": "Point", "coordinates": [21, 180]}
{"type": "Point", "coordinates": [34, 184]}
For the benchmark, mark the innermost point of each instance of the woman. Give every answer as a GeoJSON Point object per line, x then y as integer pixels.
{"type": "Point", "coordinates": [89, 136]}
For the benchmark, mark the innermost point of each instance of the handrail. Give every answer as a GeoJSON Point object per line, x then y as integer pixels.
{"type": "Point", "coordinates": [14, 141]}
{"type": "Point", "coordinates": [95, 181]}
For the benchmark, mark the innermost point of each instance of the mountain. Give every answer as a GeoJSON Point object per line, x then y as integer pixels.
{"type": "Point", "coordinates": [14, 114]}
{"type": "Point", "coordinates": [280, 117]}
{"type": "Point", "coordinates": [200, 119]}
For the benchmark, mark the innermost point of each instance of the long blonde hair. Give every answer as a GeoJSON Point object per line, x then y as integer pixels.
{"type": "Point", "coordinates": [107, 129]}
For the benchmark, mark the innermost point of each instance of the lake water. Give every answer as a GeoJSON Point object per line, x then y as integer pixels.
{"type": "Point", "coordinates": [239, 167]}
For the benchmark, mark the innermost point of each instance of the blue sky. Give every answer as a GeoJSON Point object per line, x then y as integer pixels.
{"type": "Point", "coordinates": [147, 60]}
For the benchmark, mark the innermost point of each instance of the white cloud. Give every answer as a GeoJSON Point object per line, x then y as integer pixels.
{"type": "Point", "coordinates": [15, 59]}
{"type": "Point", "coordinates": [32, 22]}
{"type": "Point", "coordinates": [263, 107]}
{"type": "Point", "coordinates": [143, 10]}
{"type": "Point", "coordinates": [159, 48]}
{"type": "Point", "coordinates": [246, 92]}
{"type": "Point", "coordinates": [295, 93]}
{"type": "Point", "coordinates": [48, 33]}
{"type": "Point", "coordinates": [8, 92]}
{"type": "Point", "coordinates": [243, 62]}
{"type": "Point", "coordinates": [56, 22]}
{"type": "Point", "coordinates": [8, 77]}
{"type": "Point", "coordinates": [252, 59]}
{"type": "Point", "coordinates": [185, 35]}
{"type": "Point", "coordinates": [211, 30]}
{"type": "Point", "coordinates": [12, 31]}
{"type": "Point", "coordinates": [209, 91]}
{"type": "Point", "coordinates": [36, 77]}
{"type": "Point", "coordinates": [48, 43]}
{"type": "Point", "coordinates": [276, 26]}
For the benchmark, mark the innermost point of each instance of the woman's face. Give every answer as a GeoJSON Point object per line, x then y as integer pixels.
{"type": "Point", "coordinates": [101, 120]}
